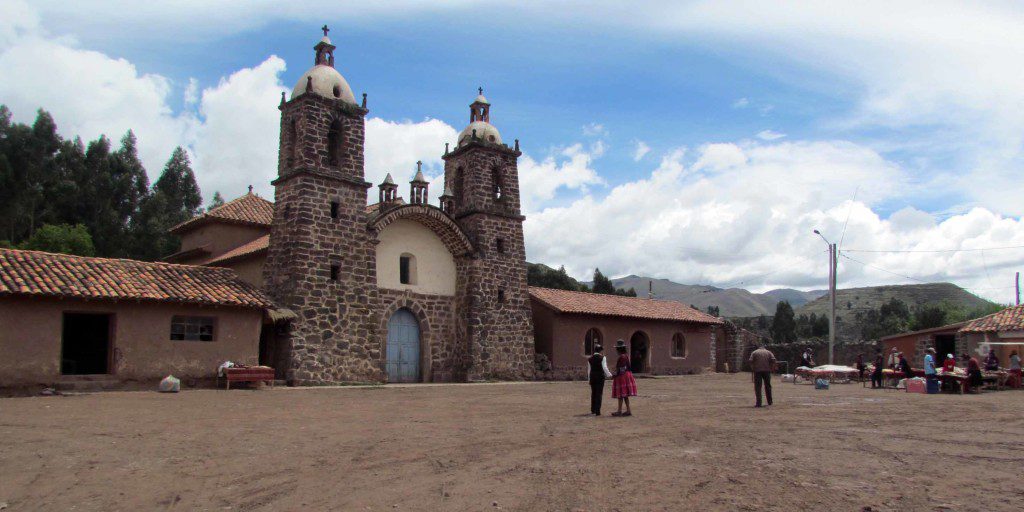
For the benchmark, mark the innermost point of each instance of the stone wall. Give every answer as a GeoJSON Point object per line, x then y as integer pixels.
{"type": "Point", "coordinates": [500, 328]}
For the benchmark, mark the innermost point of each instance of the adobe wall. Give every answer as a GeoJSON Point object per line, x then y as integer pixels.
{"type": "Point", "coordinates": [434, 265]}
{"type": "Point", "coordinates": [249, 269]}
{"type": "Point", "coordinates": [31, 332]}
{"type": "Point", "coordinates": [218, 239]}
{"type": "Point", "coordinates": [568, 332]}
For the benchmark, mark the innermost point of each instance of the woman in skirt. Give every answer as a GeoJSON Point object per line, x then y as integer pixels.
{"type": "Point", "coordinates": [623, 385]}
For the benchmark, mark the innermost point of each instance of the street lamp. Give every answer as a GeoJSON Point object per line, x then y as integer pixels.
{"type": "Point", "coordinates": [832, 260]}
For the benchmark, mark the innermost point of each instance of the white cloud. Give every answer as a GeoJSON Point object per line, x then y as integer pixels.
{"type": "Point", "coordinates": [770, 135]}
{"type": "Point", "coordinates": [641, 150]}
{"type": "Point", "coordinates": [740, 103]}
{"type": "Point", "coordinates": [595, 130]}
{"type": "Point", "coordinates": [568, 169]}
{"type": "Point", "coordinates": [395, 147]}
{"type": "Point", "coordinates": [191, 96]}
{"type": "Point", "coordinates": [745, 212]}
{"type": "Point", "coordinates": [235, 141]}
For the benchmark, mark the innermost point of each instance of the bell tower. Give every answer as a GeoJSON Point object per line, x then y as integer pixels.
{"type": "Point", "coordinates": [482, 196]}
{"type": "Point", "coordinates": [319, 247]}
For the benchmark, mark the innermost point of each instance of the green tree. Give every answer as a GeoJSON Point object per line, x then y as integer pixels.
{"type": "Point", "coordinates": [602, 284]}
{"type": "Point", "coordinates": [61, 238]}
{"type": "Point", "coordinates": [218, 200]}
{"type": "Point", "coordinates": [783, 324]}
{"type": "Point", "coordinates": [175, 198]}
{"type": "Point", "coordinates": [546, 277]}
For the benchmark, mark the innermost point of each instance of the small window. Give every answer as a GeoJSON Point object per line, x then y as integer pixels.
{"type": "Point", "coordinates": [496, 179]}
{"type": "Point", "coordinates": [337, 91]}
{"type": "Point", "coordinates": [192, 328]}
{"type": "Point", "coordinates": [501, 296]}
{"type": "Point", "coordinates": [678, 345]}
{"type": "Point", "coordinates": [407, 269]}
{"type": "Point", "coordinates": [592, 338]}
{"type": "Point", "coordinates": [499, 245]}
{"type": "Point", "coordinates": [334, 209]}
{"type": "Point", "coordinates": [334, 272]}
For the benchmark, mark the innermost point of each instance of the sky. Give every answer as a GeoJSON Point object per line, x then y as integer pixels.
{"type": "Point", "coordinates": [701, 142]}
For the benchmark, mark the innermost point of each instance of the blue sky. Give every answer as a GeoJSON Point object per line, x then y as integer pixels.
{"type": "Point", "coordinates": [697, 141]}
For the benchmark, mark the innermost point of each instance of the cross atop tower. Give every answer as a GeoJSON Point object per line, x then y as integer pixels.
{"type": "Point", "coordinates": [480, 90]}
{"type": "Point", "coordinates": [325, 29]}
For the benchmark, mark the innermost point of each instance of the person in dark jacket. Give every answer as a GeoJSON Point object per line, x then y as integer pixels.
{"type": "Point", "coordinates": [762, 363]}
{"type": "Point", "coordinates": [876, 375]}
{"type": "Point", "coordinates": [904, 366]}
{"type": "Point", "coordinates": [597, 367]}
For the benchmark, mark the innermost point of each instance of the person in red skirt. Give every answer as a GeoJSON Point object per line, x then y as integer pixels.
{"type": "Point", "coordinates": [623, 385]}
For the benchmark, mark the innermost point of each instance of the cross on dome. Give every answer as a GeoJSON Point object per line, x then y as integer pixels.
{"type": "Point", "coordinates": [325, 29]}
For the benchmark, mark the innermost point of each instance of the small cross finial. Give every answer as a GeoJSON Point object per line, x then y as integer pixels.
{"type": "Point", "coordinates": [480, 90]}
{"type": "Point", "coordinates": [419, 165]}
{"type": "Point", "coordinates": [325, 29]}
{"type": "Point", "coordinates": [250, 189]}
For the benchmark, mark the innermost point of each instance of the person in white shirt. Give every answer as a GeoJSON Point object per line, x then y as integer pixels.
{"type": "Point", "coordinates": [597, 372]}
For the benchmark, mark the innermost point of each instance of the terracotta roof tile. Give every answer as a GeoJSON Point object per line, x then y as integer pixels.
{"type": "Point", "coordinates": [1009, 319]}
{"type": "Point", "coordinates": [46, 274]}
{"type": "Point", "coordinates": [565, 301]}
{"type": "Point", "coordinates": [249, 209]}
{"type": "Point", "coordinates": [242, 251]}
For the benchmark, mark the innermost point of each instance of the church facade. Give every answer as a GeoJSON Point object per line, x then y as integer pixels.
{"type": "Point", "coordinates": [401, 291]}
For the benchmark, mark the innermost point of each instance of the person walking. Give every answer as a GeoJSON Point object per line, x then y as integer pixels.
{"type": "Point", "coordinates": [623, 385]}
{"type": "Point", "coordinates": [762, 362]}
{"type": "Point", "coordinates": [597, 372]}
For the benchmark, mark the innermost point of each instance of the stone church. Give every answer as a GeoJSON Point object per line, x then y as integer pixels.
{"type": "Point", "coordinates": [398, 291]}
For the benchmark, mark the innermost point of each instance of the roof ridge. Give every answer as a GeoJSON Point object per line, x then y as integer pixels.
{"type": "Point", "coordinates": [105, 259]}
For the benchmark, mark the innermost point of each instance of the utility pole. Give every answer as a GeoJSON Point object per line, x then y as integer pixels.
{"type": "Point", "coordinates": [833, 259]}
{"type": "Point", "coordinates": [833, 269]}
{"type": "Point", "coordinates": [1017, 282]}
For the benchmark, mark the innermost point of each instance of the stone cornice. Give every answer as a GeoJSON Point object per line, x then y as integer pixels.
{"type": "Point", "coordinates": [320, 174]}
{"type": "Point", "coordinates": [482, 144]}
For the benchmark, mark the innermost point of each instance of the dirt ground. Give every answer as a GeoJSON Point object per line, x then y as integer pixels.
{"type": "Point", "coordinates": [694, 443]}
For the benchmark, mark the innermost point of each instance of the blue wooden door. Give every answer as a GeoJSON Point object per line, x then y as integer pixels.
{"type": "Point", "coordinates": [403, 363]}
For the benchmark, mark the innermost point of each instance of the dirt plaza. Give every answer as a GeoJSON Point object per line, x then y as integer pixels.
{"type": "Point", "coordinates": [693, 442]}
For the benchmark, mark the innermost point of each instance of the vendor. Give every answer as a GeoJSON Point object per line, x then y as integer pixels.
{"type": "Point", "coordinates": [949, 365]}
{"type": "Point", "coordinates": [904, 366]}
{"type": "Point", "coordinates": [894, 359]}
{"type": "Point", "coordinates": [1015, 370]}
{"type": "Point", "coordinates": [973, 373]}
{"type": "Point", "coordinates": [929, 364]}
{"type": "Point", "coordinates": [807, 359]}
{"type": "Point", "coordinates": [991, 361]}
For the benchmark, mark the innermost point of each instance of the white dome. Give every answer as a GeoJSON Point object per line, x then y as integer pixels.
{"type": "Point", "coordinates": [327, 82]}
{"type": "Point", "coordinates": [481, 99]}
{"type": "Point", "coordinates": [484, 131]}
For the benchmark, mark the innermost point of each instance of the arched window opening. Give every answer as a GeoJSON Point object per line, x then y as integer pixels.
{"type": "Point", "coordinates": [407, 269]}
{"type": "Point", "coordinates": [499, 245]}
{"type": "Point", "coordinates": [335, 143]}
{"type": "Point", "coordinates": [292, 158]}
{"type": "Point", "coordinates": [337, 91]}
{"type": "Point", "coordinates": [592, 338]}
{"type": "Point", "coordinates": [496, 178]}
{"type": "Point", "coordinates": [678, 345]}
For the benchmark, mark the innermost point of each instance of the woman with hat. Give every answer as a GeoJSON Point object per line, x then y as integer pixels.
{"type": "Point", "coordinates": [623, 385]}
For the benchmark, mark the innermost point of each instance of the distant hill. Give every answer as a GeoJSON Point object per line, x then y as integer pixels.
{"type": "Point", "coordinates": [796, 298]}
{"type": "Point", "coordinates": [850, 301]}
{"type": "Point", "coordinates": [731, 301]}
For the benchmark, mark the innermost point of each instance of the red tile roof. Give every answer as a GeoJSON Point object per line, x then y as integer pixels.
{"type": "Point", "coordinates": [44, 274]}
{"type": "Point", "coordinates": [249, 209]}
{"type": "Point", "coordinates": [951, 327]}
{"type": "Point", "coordinates": [565, 301]}
{"type": "Point", "coordinates": [245, 250]}
{"type": "Point", "coordinates": [1009, 319]}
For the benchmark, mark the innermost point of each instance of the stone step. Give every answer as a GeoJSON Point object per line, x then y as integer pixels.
{"type": "Point", "coordinates": [88, 383]}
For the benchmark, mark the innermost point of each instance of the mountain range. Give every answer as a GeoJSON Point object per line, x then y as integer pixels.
{"type": "Point", "coordinates": [731, 302]}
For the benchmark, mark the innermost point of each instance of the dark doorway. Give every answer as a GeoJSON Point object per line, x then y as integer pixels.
{"type": "Point", "coordinates": [638, 348]}
{"type": "Point", "coordinates": [944, 344]}
{"type": "Point", "coordinates": [85, 344]}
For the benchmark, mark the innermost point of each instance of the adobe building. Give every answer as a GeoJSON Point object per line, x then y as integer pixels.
{"type": "Point", "coordinates": [663, 337]}
{"type": "Point", "coordinates": [67, 316]}
{"type": "Point", "coordinates": [914, 344]}
{"type": "Point", "coordinates": [1002, 331]}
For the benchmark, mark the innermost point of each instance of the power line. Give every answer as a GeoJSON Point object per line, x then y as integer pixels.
{"type": "Point", "coordinates": [848, 213]}
{"type": "Point", "coordinates": [884, 270]}
{"type": "Point", "coordinates": [936, 250]}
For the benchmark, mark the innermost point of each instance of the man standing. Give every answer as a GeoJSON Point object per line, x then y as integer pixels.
{"type": "Point", "coordinates": [929, 366]}
{"type": "Point", "coordinates": [762, 362]}
{"type": "Point", "coordinates": [807, 359]}
{"type": "Point", "coordinates": [598, 372]}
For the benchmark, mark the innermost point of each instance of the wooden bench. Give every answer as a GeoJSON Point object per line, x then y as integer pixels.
{"type": "Point", "coordinates": [248, 374]}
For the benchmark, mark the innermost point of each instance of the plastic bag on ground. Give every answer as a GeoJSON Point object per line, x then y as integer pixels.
{"type": "Point", "coordinates": [170, 384]}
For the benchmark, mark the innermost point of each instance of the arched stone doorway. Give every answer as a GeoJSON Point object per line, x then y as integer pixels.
{"type": "Point", "coordinates": [639, 349]}
{"type": "Point", "coordinates": [403, 347]}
